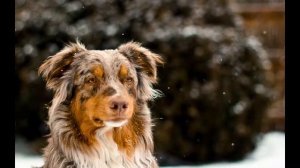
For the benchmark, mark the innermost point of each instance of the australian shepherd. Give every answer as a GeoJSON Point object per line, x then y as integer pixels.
{"type": "Point", "coordinates": [99, 116]}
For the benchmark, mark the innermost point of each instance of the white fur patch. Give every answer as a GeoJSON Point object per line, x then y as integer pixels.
{"type": "Point", "coordinates": [115, 123]}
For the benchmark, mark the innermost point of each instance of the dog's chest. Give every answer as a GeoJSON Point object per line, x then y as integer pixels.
{"type": "Point", "coordinates": [107, 156]}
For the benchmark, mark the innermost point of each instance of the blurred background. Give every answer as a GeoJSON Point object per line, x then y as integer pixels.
{"type": "Point", "coordinates": [223, 81]}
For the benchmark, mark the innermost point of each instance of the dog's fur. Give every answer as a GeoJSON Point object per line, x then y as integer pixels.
{"type": "Point", "coordinates": [99, 116]}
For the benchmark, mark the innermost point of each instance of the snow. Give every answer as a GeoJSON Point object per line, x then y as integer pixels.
{"type": "Point", "coordinates": [270, 153]}
{"type": "Point", "coordinates": [23, 161]}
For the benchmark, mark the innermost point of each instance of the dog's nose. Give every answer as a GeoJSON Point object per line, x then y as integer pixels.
{"type": "Point", "coordinates": [119, 106]}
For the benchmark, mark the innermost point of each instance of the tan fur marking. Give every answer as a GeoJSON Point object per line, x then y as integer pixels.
{"type": "Point", "coordinates": [98, 71]}
{"type": "Point", "coordinates": [123, 73]}
{"type": "Point", "coordinates": [126, 139]}
{"type": "Point", "coordinates": [87, 127]}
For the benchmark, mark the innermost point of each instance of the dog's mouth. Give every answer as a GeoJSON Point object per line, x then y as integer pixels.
{"type": "Point", "coordinates": [111, 122]}
{"type": "Point", "coordinates": [115, 122]}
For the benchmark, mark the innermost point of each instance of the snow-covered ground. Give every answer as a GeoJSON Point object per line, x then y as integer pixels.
{"type": "Point", "coordinates": [270, 153]}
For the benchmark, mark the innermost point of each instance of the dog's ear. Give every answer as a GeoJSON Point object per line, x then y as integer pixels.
{"type": "Point", "coordinates": [53, 68]}
{"type": "Point", "coordinates": [146, 63]}
{"type": "Point", "coordinates": [145, 60]}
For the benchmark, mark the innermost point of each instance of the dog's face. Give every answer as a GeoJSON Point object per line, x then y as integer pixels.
{"type": "Point", "coordinates": [102, 88]}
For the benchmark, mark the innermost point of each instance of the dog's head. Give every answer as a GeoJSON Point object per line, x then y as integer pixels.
{"type": "Point", "coordinates": [102, 87]}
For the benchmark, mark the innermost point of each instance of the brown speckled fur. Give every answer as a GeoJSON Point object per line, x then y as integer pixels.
{"type": "Point", "coordinates": [87, 128]}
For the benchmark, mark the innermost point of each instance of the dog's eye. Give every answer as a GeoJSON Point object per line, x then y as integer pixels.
{"type": "Point", "coordinates": [91, 80]}
{"type": "Point", "coordinates": [128, 80]}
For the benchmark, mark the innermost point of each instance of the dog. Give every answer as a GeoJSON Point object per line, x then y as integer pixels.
{"type": "Point", "coordinates": [99, 117]}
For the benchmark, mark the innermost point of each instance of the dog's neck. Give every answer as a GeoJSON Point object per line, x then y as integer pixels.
{"type": "Point", "coordinates": [127, 146]}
